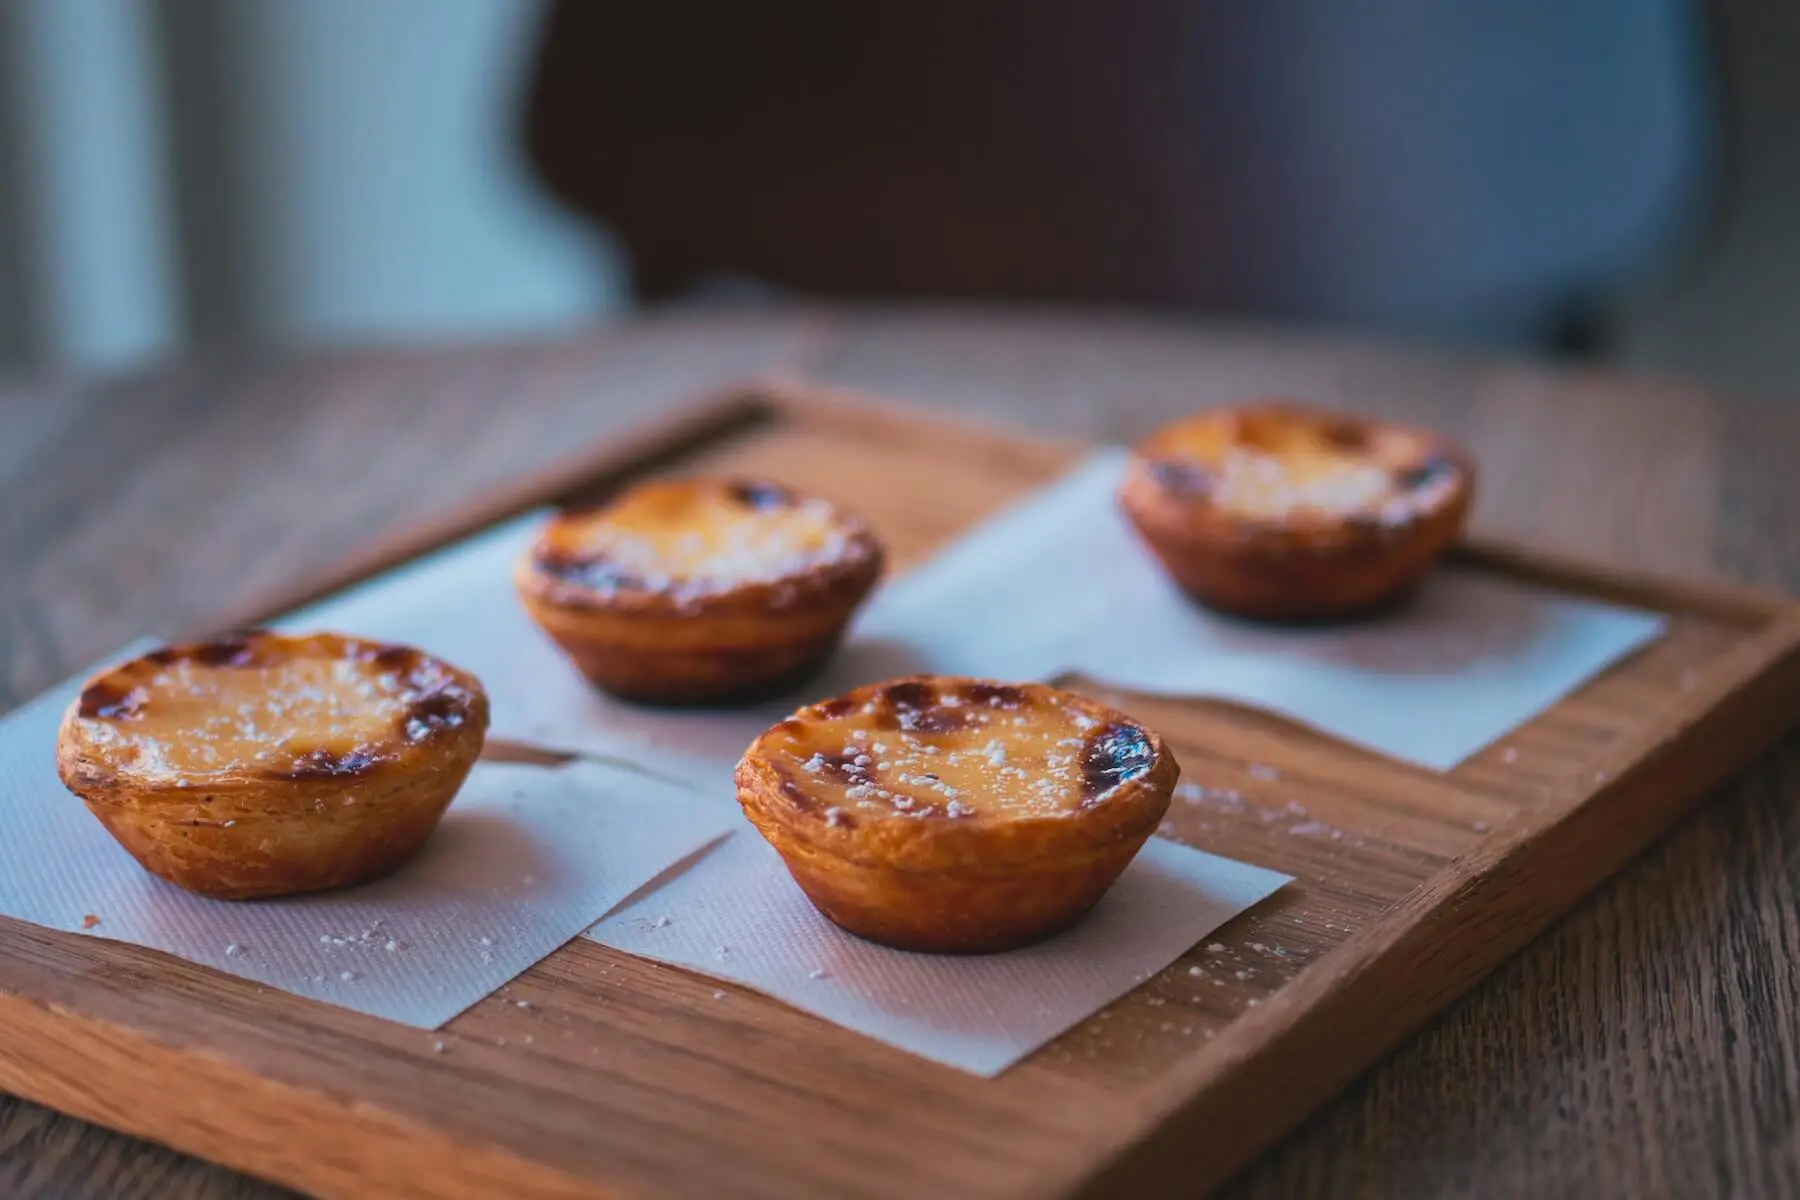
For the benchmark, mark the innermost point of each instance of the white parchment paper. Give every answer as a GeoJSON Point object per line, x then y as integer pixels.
{"type": "Point", "coordinates": [737, 915]}
{"type": "Point", "coordinates": [526, 858]}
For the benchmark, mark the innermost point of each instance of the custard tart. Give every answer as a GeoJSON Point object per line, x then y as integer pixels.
{"type": "Point", "coordinates": [263, 764]}
{"type": "Point", "coordinates": [700, 591]}
{"type": "Point", "coordinates": [1281, 512]}
{"type": "Point", "coordinates": [955, 815]}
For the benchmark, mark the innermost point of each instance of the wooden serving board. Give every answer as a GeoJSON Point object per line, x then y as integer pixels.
{"type": "Point", "coordinates": [629, 1078]}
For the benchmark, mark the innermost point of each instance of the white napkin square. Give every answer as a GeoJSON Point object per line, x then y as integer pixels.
{"type": "Point", "coordinates": [525, 859]}
{"type": "Point", "coordinates": [1467, 659]}
{"type": "Point", "coordinates": [737, 915]}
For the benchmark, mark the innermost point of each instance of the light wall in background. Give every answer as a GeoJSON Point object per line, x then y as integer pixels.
{"type": "Point", "coordinates": [180, 174]}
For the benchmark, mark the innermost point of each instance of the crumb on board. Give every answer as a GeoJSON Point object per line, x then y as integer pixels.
{"type": "Point", "coordinates": [89, 921]}
{"type": "Point", "coordinates": [718, 995]}
{"type": "Point", "coordinates": [437, 1047]}
{"type": "Point", "coordinates": [1215, 948]}
{"type": "Point", "coordinates": [526, 1004]}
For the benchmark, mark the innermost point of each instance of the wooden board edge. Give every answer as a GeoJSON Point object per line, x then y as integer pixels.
{"type": "Point", "coordinates": [1211, 1118]}
{"type": "Point", "coordinates": [91, 1069]}
{"type": "Point", "coordinates": [1732, 604]}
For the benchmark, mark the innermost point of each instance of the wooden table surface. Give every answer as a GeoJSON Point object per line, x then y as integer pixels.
{"type": "Point", "coordinates": [1649, 1045]}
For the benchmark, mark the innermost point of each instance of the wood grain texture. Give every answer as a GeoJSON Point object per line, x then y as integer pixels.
{"type": "Point", "coordinates": [1648, 1044]}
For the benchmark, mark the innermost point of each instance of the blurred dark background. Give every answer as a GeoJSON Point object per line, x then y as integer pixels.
{"type": "Point", "coordinates": [1610, 180]}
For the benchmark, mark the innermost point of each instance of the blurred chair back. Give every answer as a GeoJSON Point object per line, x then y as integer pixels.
{"type": "Point", "coordinates": [1475, 170]}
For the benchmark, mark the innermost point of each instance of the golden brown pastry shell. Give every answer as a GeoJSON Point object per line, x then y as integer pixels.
{"type": "Point", "coordinates": [250, 834]}
{"type": "Point", "coordinates": [972, 884]}
{"type": "Point", "coordinates": [1311, 568]}
{"type": "Point", "coordinates": [752, 641]}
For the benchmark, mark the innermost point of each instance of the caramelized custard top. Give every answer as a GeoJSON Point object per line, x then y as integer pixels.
{"type": "Point", "coordinates": [955, 748]}
{"type": "Point", "coordinates": [268, 704]}
{"type": "Point", "coordinates": [694, 538]}
{"type": "Point", "coordinates": [1278, 462]}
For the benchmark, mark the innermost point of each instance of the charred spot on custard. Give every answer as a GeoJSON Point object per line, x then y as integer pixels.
{"type": "Point", "coordinates": [592, 570]}
{"type": "Point", "coordinates": [910, 693]}
{"type": "Point", "coordinates": [235, 651]}
{"type": "Point", "coordinates": [446, 709]}
{"type": "Point", "coordinates": [1181, 477]}
{"type": "Point", "coordinates": [328, 764]}
{"type": "Point", "coordinates": [231, 650]}
{"type": "Point", "coordinates": [916, 707]}
{"type": "Point", "coordinates": [396, 658]}
{"type": "Point", "coordinates": [109, 700]}
{"type": "Point", "coordinates": [1422, 474]}
{"type": "Point", "coordinates": [1114, 754]}
{"type": "Point", "coordinates": [1345, 436]}
{"type": "Point", "coordinates": [937, 719]}
{"type": "Point", "coordinates": [760, 496]}
{"type": "Point", "coordinates": [996, 695]}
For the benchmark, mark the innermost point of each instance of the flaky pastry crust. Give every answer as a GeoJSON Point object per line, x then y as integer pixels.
{"type": "Point", "coordinates": [699, 591]}
{"type": "Point", "coordinates": [956, 815]}
{"type": "Point", "coordinates": [1277, 511]}
{"type": "Point", "coordinates": [264, 764]}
